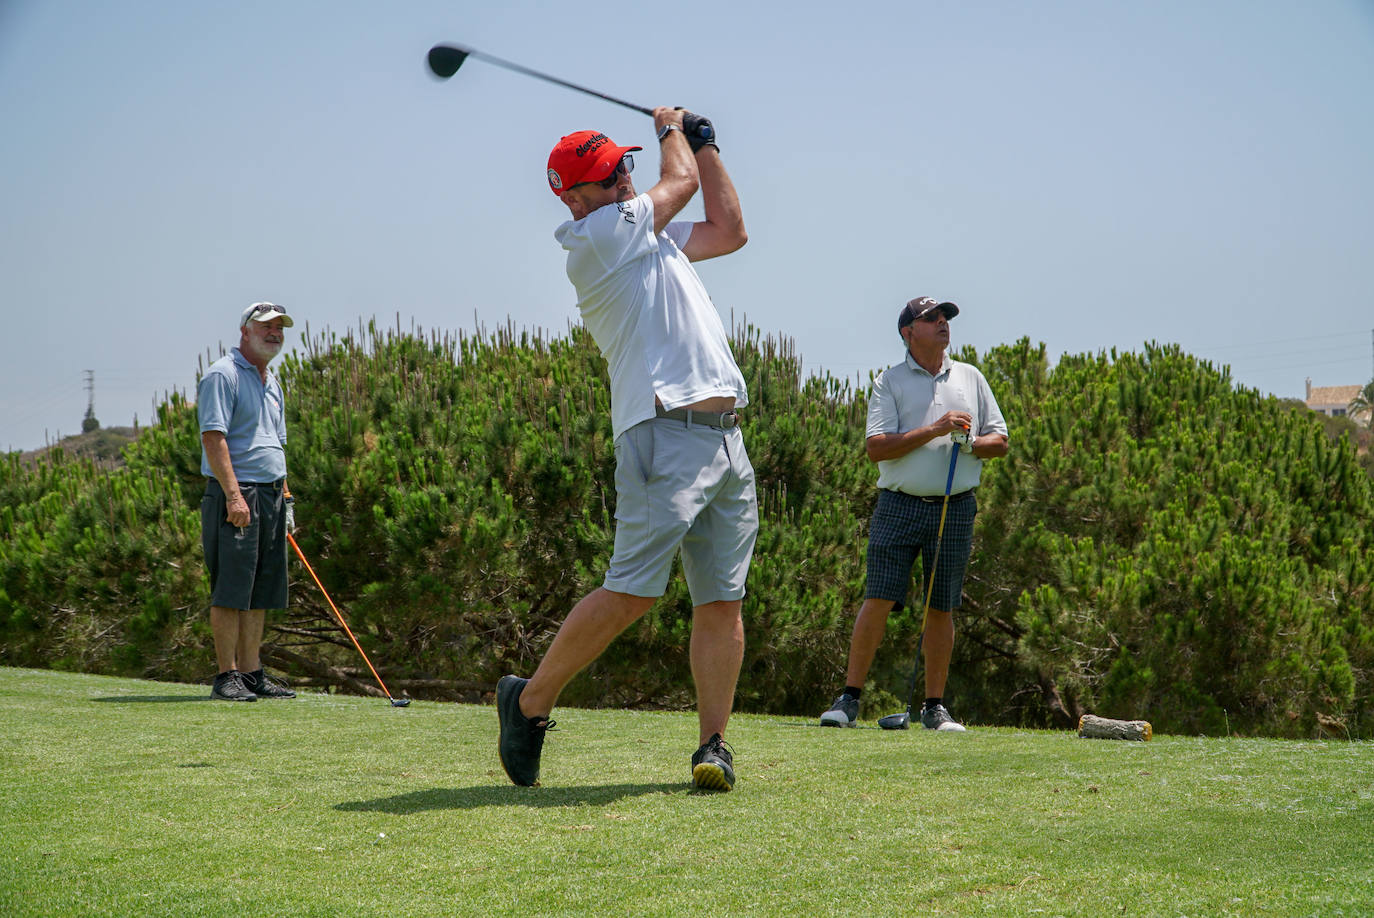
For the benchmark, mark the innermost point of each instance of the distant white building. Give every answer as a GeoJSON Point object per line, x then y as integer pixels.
{"type": "Point", "coordinates": [1333, 401]}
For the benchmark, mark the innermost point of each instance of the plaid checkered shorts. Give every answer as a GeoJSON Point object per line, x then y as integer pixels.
{"type": "Point", "coordinates": [903, 527]}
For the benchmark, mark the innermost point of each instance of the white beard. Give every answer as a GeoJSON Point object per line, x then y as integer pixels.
{"type": "Point", "coordinates": [265, 350]}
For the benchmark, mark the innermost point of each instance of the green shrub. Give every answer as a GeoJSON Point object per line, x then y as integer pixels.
{"type": "Point", "coordinates": [1157, 544]}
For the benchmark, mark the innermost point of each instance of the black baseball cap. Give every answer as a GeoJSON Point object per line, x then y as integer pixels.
{"type": "Point", "coordinates": [918, 307]}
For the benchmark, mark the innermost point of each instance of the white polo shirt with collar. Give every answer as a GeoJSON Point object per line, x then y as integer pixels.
{"type": "Point", "coordinates": [905, 397]}
{"type": "Point", "coordinates": [648, 311]}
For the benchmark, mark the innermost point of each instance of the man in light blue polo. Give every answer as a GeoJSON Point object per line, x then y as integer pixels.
{"type": "Point", "coordinates": [920, 410]}
{"type": "Point", "coordinates": [245, 514]}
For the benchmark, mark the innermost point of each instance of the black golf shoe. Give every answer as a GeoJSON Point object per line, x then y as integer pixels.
{"type": "Point", "coordinates": [938, 718]}
{"type": "Point", "coordinates": [522, 738]}
{"type": "Point", "coordinates": [843, 713]}
{"type": "Point", "coordinates": [258, 683]}
{"type": "Point", "coordinates": [713, 765]}
{"type": "Point", "coordinates": [229, 687]}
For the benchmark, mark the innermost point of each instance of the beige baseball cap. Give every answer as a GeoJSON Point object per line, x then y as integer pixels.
{"type": "Point", "coordinates": [265, 312]}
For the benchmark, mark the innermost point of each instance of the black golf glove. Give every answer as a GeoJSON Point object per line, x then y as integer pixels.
{"type": "Point", "coordinates": [699, 132]}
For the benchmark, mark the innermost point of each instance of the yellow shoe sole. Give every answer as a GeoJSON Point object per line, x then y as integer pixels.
{"type": "Point", "coordinates": [707, 776]}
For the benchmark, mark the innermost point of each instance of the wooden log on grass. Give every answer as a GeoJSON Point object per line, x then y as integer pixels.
{"type": "Point", "coordinates": [1090, 726]}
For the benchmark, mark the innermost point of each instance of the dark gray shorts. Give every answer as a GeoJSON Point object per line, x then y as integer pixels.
{"type": "Point", "coordinates": [904, 527]}
{"type": "Point", "coordinates": [248, 565]}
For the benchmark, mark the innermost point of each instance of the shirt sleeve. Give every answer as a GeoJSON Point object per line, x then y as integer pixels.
{"type": "Point", "coordinates": [882, 409]}
{"type": "Point", "coordinates": [609, 237]}
{"type": "Point", "coordinates": [214, 402]}
{"type": "Point", "coordinates": [679, 232]}
{"type": "Point", "coordinates": [281, 415]}
{"type": "Point", "coordinates": [991, 415]}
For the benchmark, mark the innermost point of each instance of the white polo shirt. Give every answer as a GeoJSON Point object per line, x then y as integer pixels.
{"type": "Point", "coordinates": [648, 311]}
{"type": "Point", "coordinates": [905, 397]}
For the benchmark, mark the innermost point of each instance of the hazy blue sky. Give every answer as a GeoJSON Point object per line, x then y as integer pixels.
{"type": "Point", "coordinates": [1088, 174]}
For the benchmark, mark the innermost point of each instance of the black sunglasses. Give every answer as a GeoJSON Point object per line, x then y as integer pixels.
{"type": "Point", "coordinates": [624, 167]}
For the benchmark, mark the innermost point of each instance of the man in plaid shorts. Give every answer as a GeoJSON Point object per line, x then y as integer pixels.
{"type": "Point", "coordinates": [915, 408]}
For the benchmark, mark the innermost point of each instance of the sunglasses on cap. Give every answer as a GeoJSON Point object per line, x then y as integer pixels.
{"type": "Point", "coordinates": [909, 315]}
{"type": "Point", "coordinates": [262, 309]}
{"type": "Point", "coordinates": [624, 167]}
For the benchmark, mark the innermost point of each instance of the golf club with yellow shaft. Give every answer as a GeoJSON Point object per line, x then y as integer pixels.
{"type": "Point", "coordinates": [395, 702]}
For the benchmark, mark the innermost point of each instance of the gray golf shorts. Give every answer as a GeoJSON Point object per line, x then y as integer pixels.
{"type": "Point", "coordinates": [904, 527]}
{"type": "Point", "coordinates": [689, 487]}
{"type": "Point", "coordinates": [247, 566]}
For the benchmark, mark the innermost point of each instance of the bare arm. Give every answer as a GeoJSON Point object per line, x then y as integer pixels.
{"type": "Point", "coordinates": [990, 446]}
{"type": "Point", "coordinates": [217, 455]}
{"type": "Point", "coordinates": [723, 230]}
{"type": "Point", "coordinates": [893, 446]}
{"type": "Point", "coordinates": [677, 170]}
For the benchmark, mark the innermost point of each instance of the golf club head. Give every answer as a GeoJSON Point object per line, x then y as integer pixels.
{"type": "Point", "coordinates": [900, 721]}
{"type": "Point", "coordinates": [399, 702]}
{"type": "Point", "coordinates": [444, 60]}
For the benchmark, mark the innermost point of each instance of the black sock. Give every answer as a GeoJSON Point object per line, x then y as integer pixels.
{"type": "Point", "coordinates": [853, 692]}
{"type": "Point", "coordinates": [932, 702]}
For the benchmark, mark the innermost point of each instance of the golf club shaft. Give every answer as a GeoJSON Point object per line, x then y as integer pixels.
{"type": "Point", "coordinates": [300, 554]}
{"type": "Point", "coordinates": [934, 566]}
{"type": "Point", "coordinates": [518, 68]}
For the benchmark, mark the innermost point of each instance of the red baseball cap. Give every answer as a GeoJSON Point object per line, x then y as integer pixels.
{"type": "Point", "coordinates": [587, 156]}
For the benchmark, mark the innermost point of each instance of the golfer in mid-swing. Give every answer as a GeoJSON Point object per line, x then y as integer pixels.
{"type": "Point", "coordinates": [683, 479]}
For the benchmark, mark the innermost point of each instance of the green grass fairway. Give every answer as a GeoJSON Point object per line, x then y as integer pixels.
{"type": "Point", "coordinates": [123, 797]}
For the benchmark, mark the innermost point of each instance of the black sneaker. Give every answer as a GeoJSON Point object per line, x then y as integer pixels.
{"type": "Point", "coordinates": [843, 713]}
{"type": "Point", "coordinates": [713, 765]}
{"type": "Point", "coordinates": [229, 687]}
{"type": "Point", "coordinates": [938, 718]}
{"type": "Point", "coordinates": [258, 683]}
{"type": "Point", "coordinates": [522, 738]}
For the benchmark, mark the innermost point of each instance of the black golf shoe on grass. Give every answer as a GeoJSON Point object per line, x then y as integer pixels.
{"type": "Point", "coordinates": [713, 765]}
{"type": "Point", "coordinates": [843, 713]}
{"type": "Point", "coordinates": [258, 683]}
{"type": "Point", "coordinates": [938, 718]}
{"type": "Point", "coordinates": [522, 738]}
{"type": "Point", "coordinates": [230, 687]}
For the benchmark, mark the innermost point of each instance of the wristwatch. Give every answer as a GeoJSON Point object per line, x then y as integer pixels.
{"type": "Point", "coordinates": [666, 130]}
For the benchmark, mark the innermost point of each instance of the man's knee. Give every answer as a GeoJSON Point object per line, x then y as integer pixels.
{"type": "Point", "coordinates": [876, 611]}
{"type": "Point", "coordinates": [626, 607]}
{"type": "Point", "coordinates": [725, 611]}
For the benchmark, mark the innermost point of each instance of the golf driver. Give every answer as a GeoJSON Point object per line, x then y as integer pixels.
{"type": "Point", "coordinates": [444, 61]}
{"type": "Point", "coordinates": [395, 702]}
{"type": "Point", "coordinates": [902, 721]}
